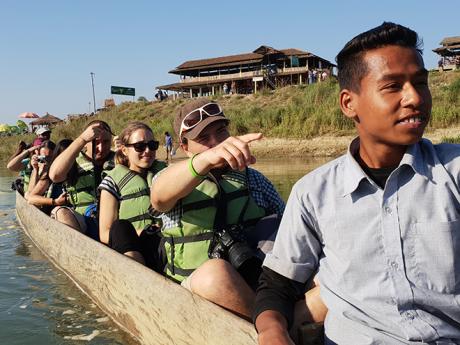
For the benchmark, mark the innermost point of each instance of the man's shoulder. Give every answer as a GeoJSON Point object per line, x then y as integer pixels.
{"type": "Point", "coordinates": [255, 176]}
{"type": "Point", "coordinates": [328, 172]}
{"type": "Point", "coordinates": [447, 151]}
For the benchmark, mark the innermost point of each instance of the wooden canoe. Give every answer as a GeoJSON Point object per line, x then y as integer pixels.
{"type": "Point", "coordinates": [145, 304]}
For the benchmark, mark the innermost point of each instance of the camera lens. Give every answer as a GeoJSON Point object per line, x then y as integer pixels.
{"type": "Point", "coordinates": [239, 253]}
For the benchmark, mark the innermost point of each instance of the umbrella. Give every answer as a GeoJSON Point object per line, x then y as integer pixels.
{"type": "Point", "coordinates": [4, 127]}
{"type": "Point", "coordinates": [28, 115]}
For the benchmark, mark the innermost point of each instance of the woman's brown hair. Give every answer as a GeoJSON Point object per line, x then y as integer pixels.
{"type": "Point", "coordinates": [124, 139]}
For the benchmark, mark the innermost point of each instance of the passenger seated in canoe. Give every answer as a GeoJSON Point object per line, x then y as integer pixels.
{"type": "Point", "coordinates": [92, 156]}
{"type": "Point", "coordinates": [46, 194]}
{"type": "Point", "coordinates": [209, 201]}
{"type": "Point", "coordinates": [125, 220]}
{"type": "Point", "coordinates": [20, 162]}
{"type": "Point", "coordinates": [380, 223]}
{"type": "Point", "coordinates": [40, 163]}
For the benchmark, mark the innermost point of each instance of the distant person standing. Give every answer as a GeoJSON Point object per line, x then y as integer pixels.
{"type": "Point", "coordinates": [168, 145]}
{"type": "Point", "coordinates": [310, 77]}
{"type": "Point", "coordinates": [233, 88]}
{"type": "Point", "coordinates": [225, 88]}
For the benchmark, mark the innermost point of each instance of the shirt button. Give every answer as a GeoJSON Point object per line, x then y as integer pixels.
{"type": "Point", "coordinates": [388, 210]}
{"type": "Point", "coordinates": [394, 265]}
{"type": "Point", "coordinates": [409, 315]}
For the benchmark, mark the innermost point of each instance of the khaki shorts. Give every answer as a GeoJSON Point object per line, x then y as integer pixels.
{"type": "Point", "coordinates": [80, 219]}
{"type": "Point", "coordinates": [187, 282]}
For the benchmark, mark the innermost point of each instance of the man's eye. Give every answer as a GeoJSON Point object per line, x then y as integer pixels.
{"type": "Point", "coordinates": [392, 86]}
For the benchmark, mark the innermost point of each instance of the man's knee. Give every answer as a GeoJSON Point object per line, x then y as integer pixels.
{"type": "Point", "coordinates": [212, 274]}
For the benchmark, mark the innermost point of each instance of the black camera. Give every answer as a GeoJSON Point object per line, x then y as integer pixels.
{"type": "Point", "coordinates": [41, 159]}
{"type": "Point", "coordinates": [230, 244]}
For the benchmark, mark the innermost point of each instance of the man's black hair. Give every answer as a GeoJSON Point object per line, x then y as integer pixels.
{"type": "Point", "coordinates": [350, 62]}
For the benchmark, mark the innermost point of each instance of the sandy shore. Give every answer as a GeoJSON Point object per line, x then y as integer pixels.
{"type": "Point", "coordinates": [324, 146]}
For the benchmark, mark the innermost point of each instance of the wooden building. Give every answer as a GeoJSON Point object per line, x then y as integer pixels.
{"type": "Point", "coordinates": [265, 67]}
{"type": "Point", "coordinates": [449, 52]}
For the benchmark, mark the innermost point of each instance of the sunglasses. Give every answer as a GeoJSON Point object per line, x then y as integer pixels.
{"type": "Point", "coordinates": [141, 145]}
{"type": "Point", "coordinates": [193, 118]}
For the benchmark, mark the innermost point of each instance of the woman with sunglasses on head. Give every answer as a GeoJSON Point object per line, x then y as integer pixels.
{"type": "Point", "coordinates": [125, 221]}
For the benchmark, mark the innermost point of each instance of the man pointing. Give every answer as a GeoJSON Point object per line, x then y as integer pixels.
{"type": "Point", "coordinates": [211, 204]}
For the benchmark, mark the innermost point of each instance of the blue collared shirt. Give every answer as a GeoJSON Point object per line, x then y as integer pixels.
{"type": "Point", "coordinates": [389, 259]}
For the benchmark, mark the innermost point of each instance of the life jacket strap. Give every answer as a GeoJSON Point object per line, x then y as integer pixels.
{"type": "Point", "coordinates": [143, 192]}
{"type": "Point", "coordinates": [178, 240]}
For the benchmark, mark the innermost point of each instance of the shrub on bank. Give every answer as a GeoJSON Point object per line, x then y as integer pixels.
{"type": "Point", "coordinates": [304, 111]}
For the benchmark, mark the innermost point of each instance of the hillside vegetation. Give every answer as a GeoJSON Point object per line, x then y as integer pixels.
{"type": "Point", "coordinates": [296, 112]}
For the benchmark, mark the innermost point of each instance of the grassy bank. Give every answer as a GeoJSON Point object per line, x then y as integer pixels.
{"type": "Point", "coordinates": [297, 120]}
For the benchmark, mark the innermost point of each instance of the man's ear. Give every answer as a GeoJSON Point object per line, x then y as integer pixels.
{"type": "Point", "coordinates": [184, 147]}
{"type": "Point", "coordinates": [347, 100]}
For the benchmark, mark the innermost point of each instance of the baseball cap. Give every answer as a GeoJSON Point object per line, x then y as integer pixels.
{"type": "Point", "coordinates": [189, 107]}
{"type": "Point", "coordinates": [42, 130]}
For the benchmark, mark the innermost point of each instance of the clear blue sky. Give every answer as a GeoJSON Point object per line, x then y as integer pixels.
{"type": "Point", "coordinates": [49, 48]}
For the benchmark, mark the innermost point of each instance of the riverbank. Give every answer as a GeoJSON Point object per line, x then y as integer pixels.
{"type": "Point", "coordinates": [296, 120]}
{"type": "Point", "coordinates": [324, 146]}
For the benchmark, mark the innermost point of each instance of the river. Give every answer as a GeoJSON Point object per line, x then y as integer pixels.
{"type": "Point", "coordinates": [40, 305]}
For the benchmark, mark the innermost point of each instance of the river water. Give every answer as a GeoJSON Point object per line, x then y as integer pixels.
{"type": "Point", "coordinates": [40, 305]}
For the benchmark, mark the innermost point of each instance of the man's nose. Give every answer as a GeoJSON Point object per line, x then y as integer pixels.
{"type": "Point", "coordinates": [412, 96]}
{"type": "Point", "coordinates": [213, 141]}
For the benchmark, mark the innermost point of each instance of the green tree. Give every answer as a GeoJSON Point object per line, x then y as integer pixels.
{"type": "Point", "coordinates": [22, 125]}
{"type": "Point", "coordinates": [142, 99]}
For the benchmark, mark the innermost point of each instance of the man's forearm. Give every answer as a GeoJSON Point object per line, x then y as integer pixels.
{"type": "Point", "coordinates": [272, 328]}
{"type": "Point", "coordinates": [63, 163]}
{"type": "Point", "coordinates": [173, 184]}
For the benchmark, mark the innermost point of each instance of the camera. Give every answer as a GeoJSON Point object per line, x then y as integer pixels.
{"type": "Point", "coordinates": [41, 159]}
{"type": "Point", "coordinates": [230, 244]}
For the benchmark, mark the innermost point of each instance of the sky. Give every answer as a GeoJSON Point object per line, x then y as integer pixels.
{"type": "Point", "coordinates": [49, 48]}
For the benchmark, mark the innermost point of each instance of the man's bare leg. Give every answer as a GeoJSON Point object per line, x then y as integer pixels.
{"type": "Point", "coordinates": [217, 281]}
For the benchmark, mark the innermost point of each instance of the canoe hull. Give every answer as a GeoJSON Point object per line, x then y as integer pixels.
{"type": "Point", "coordinates": [145, 304]}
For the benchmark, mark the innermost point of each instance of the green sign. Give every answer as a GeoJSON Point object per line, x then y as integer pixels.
{"type": "Point", "coordinates": [120, 90]}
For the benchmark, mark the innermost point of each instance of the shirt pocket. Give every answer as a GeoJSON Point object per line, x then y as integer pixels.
{"type": "Point", "coordinates": [437, 255]}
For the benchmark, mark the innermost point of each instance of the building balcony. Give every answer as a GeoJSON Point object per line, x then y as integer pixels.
{"type": "Point", "coordinates": [241, 75]}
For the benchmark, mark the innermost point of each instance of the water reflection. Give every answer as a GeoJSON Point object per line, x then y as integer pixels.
{"type": "Point", "coordinates": [39, 305]}
{"type": "Point", "coordinates": [284, 173]}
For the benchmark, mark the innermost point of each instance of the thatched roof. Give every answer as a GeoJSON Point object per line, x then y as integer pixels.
{"type": "Point", "coordinates": [449, 41]}
{"type": "Point", "coordinates": [247, 58]}
{"type": "Point", "coordinates": [450, 46]}
{"type": "Point", "coordinates": [48, 119]}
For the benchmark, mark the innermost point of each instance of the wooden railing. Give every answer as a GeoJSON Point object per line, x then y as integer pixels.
{"type": "Point", "coordinates": [249, 74]}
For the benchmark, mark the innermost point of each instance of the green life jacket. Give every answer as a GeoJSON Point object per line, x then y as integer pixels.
{"type": "Point", "coordinates": [26, 178]}
{"type": "Point", "coordinates": [186, 246]}
{"type": "Point", "coordinates": [26, 173]}
{"type": "Point", "coordinates": [83, 192]}
{"type": "Point", "coordinates": [134, 204]}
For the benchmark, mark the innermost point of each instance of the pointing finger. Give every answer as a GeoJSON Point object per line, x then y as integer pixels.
{"type": "Point", "coordinates": [247, 138]}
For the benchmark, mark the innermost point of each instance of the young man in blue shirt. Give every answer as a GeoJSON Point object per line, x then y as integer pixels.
{"type": "Point", "coordinates": [381, 224]}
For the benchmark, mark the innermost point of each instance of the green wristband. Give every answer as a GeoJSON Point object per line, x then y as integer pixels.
{"type": "Point", "coordinates": [192, 169]}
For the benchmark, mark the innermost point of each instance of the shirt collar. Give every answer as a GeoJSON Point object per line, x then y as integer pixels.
{"type": "Point", "coordinates": [354, 174]}
{"type": "Point", "coordinates": [414, 158]}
